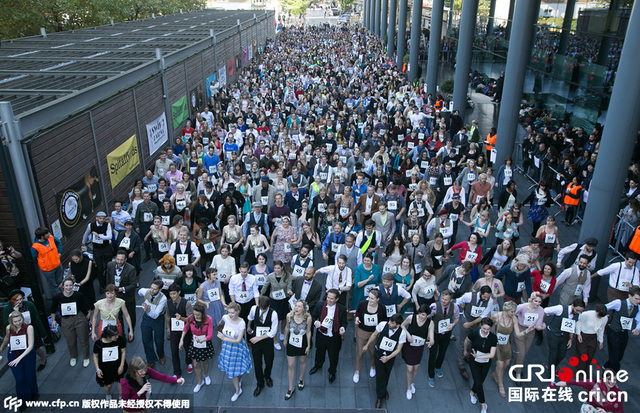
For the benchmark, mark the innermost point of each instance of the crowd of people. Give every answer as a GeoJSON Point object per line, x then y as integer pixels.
{"type": "Point", "coordinates": [322, 190]}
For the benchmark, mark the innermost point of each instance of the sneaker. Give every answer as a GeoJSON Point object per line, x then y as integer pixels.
{"type": "Point", "coordinates": [473, 398]}
{"type": "Point", "coordinates": [108, 398]}
{"type": "Point", "coordinates": [236, 395]}
{"type": "Point", "coordinates": [372, 372]}
{"type": "Point", "coordinates": [85, 362]}
{"type": "Point", "coordinates": [190, 368]}
{"type": "Point", "coordinates": [413, 388]}
{"type": "Point", "coordinates": [356, 377]}
{"type": "Point", "coordinates": [177, 376]}
{"type": "Point", "coordinates": [72, 362]}
{"type": "Point", "coordinates": [409, 395]}
{"type": "Point", "coordinates": [484, 408]}
{"type": "Point", "coordinates": [432, 382]}
{"type": "Point", "coordinates": [439, 373]}
{"type": "Point", "coordinates": [197, 388]}
{"type": "Point", "coordinates": [277, 346]}
{"type": "Point", "coordinates": [281, 337]}
{"type": "Point", "coordinates": [207, 381]}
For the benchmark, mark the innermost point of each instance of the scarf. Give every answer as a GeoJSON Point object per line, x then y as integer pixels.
{"type": "Point", "coordinates": [336, 320]}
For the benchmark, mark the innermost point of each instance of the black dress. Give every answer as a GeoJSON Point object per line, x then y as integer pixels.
{"type": "Point", "coordinates": [294, 333]}
{"type": "Point", "coordinates": [412, 353]}
{"type": "Point", "coordinates": [110, 368]}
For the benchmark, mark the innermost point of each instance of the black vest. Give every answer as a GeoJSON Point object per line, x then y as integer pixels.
{"type": "Point", "coordinates": [616, 323]}
{"type": "Point", "coordinates": [187, 251]}
{"type": "Point", "coordinates": [259, 223]}
{"type": "Point", "coordinates": [102, 230]}
{"type": "Point", "coordinates": [385, 333]}
{"type": "Point", "coordinates": [468, 307]}
{"type": "Point", "coordinates": [555, 324]}
{"type": "Point", "coordinates": [180, 309]}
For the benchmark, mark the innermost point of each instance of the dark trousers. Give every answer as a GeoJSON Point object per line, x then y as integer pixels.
{"type": "Point", "coordinates": [383, 372]}
{"type": "Point", "coordinates": [479, 372]}
{"type": "Point", "coordinates": [588, 346]}
{"type": "Point", "coordinates": [331, 345]}
{"type": "Point", "coordinates": [175, 353]}
{"type": "Point", "coordinates": [101, 256]}
{"type": "Point", "coordinates": [25, 375]}
{"type": "Point", "coordinates": [557, 348]}
{"type": "Point", "coordinates": [153, 333]}
{"type": "Point", "coordinates": [260, 350]}
{"type": "Point", "coordinates": [245, 309]}
{"type": "Point", "coordinates": [144, 230]}
{"type": "Point", "coordinates": [617, 343]}
{"type": "Point", "coordinates": [438, 351]}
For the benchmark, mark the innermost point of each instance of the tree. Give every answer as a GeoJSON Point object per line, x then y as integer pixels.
{"type": "Point", "coordinates": [344, 4]}
{"type": "Point", "coordinates": [296, 7]}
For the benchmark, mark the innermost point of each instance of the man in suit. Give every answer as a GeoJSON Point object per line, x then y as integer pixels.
{"type": "Point", "coordinates": [367, 204]}
{"type": "Point", "coordinates": [123, 275]}
{"type": "Point", "coordinates": [309, 289]}
{"type": "Point", "coordinates": [385, 222]}
{"type": "Point", "coordinates": [331, 323]}
{"type": "Point", "coordinates": [265, 193]}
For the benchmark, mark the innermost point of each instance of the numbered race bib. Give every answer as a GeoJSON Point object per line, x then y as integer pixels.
{"type": "Point", "coordinates": [335, 247]}
{"type": "Point", "coordinates": [392, 205]}
{"type": "Point", "coordinates": [182, 260]}
{"type": "Point", "coordinates": [432, 180]}
{"type": "Point", "coordinates": [370, 320]}
{"type": "Point", "coordinates": [568, 325]}
{"type": "Point", "coordinates": [400, 137]}
{"type": "Point", "coordinates": [202, 344]}
{"type": "Point", "coordinates": [408, 173]}
{"type": "Point", "coordinates": [417, 341]}
{"type": "Point", "coordinates": [67, 309]}
{"type": "Point", "coordinates": [478, 198]}
{"type": "Point", "coordinates": [471, 177]}
{"type": "Point", "coordinates": [27, 317]}
{"type": "Point", "coordinates": [625, 322]}
{"type": "Point", "coordinates": [212, 169]}
{"type": "Point", "coordinates": [192, 298]}
{"type": "Point", "coordinates": [530, 319]}
{"type": "Point", "coordinates": [443, 326]}
{"type": "Point", "coordinates": [125, 244]}
{"type": "Point", "coordinates": [521, 287]}
{"type": "Point", "coordinates": [550, 238]}
{"type": "Point", "coordinates": [18, 342]}
{"type": "Point", "coordinates": [165, 220]}
{"type": "Point", "coordinates": [624, 286]}
{"type": "Point", "coordinates": [329, 146]}
{"type": "Point", "coordinates": [222, 276]}
{"type": "Point", "coordinates": [544, 285]}
{"type": "Point", "coordinates": [292, 301]}
{"type": "Point", "coordinates": [243, 296]}
{"type": "Point", "coordinates": [508, 173]}
{"type": "Point", "coordinates": [413, 187]}
{"type": "Point", "coordinates": [476, 311]}
{"type": "Point", "coordinates": [368, 288]}
{"type": "Point", "coordinates": [503, 339]}
{"type": "Point", "coordinates": [152, 188]}
{"type": "Point", "coordinates": [480, 353]}
{"type": "Point", "coordinates": [418, 267]}
{"type": "Point", "coordinates": [258, 251]}
{"type": "Point", "coordinates": [147, 217]}
{"type": "Point", "coordinates": [110, 354]}
{"type": "Point", "coordinates": [391, 309]}
{"type": "Point", "coordinates": [420, 212]}
{"type": "Point", "coordinates": [448, 180]}
{"type": "Point", "coordinates": [386, 344]}
{"type": "Point", "coordinates": [163, 246]}
{"type": "Point", "coordinates": [470, 256]}
{"type": "Point", "coordinates": [264, 200]}
{"type": "Point", "coordinates": [261, 279]}
{"type": "Point", "coordinates": [278, 295]}
{"type": "Point", "coordinates": [213, 294]}
{"type": "Point", "coordinates": [344, 211]}
{"type": "Point", "coordinates": [229, 333]}
{"type": "Point", "coordinates": [295, 340]}
{"type": "Point", "coordinates": [209, 247]}
{"type": "Point", "coordinates": [278, 222]}
{"type": "Point", "coordinates": [97, 239]}
{"type": "Point", "coordinates": [328, 323]}
{"type": "Point", "coordinates": [180, 205]}
{"type": "Point", "coordinates": [579, 289]}
{"type": "Point", "coordinates": [106, 323]}
{"type": "Point", "coordinates": [287, 247]}
{"type": "Point", "coordinates": [324, 176]}
{"type": "Point", "coordinates": [298, 271]}
{"type": "Point", "coordinates": [453, 217]}
{"type": "Point", "coordinates": [262, 331]}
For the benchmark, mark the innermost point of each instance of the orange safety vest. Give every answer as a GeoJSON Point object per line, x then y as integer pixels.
{"type": "Point", "coordinates": [491, 140]}
{"type": "Point", "coordinates": [48, 257]}
{"type": "Point", "coordinates": [635, 241]}
{"type": "Point", "coordinates": [439, 104]}
{"type": "Point", "coordinates": [571, 194]}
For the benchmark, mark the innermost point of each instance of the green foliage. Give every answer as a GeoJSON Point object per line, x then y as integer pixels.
{"type": "Point", "coordinates": [344, 4]}
{"type": "Point", "coordinates": [447, 86]}
{"type": "Point", "coordinates": [483, 6]}
{"type": "Point", "coordinates": [25, 17]}
{"type": "Point", "coordinates": [406, 58]}
{"type": "Point", "coordinates": [296, 7]}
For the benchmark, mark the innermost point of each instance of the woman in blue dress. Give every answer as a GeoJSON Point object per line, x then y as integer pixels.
{"type": "Point", "coordinates": [210, 295]}
{"type": "Point", "coordinates": [540, 199]}
{"type": "Point", "coordinates": [234, 358]}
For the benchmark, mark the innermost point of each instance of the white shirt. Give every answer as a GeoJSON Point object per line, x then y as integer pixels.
{"type": "Point", "coordinates": [235, 287]}
{"type": "Point", "coordinates": [589, 323]}
{"type": "Point", "coordinates": [334, 273]}
{"type": "Point", "coordinates": [617, 304]}
{"type": "Point", "coordinates": [619, 274]}
{"type": "Point", "coordinates": [424, 288]}
{"type": "Point", "coordinates": [466, 299]}
{"type": "Point", "coordinates": [570, 248]}
{"type": "Point", "coordinates": [305, 289]}
{"type": "Point", "coordinates": [403, 334]}
{"type": "Point", "coordinates": [274, 320]}
{"type": "Point", "coordinates": [155, 310]}
{"type": "Point", "coordinates": [586, 288]}
{"type": "Point", "coordinates": [195, 253]}
{"type": "Point", "coordinates": [331, 311]}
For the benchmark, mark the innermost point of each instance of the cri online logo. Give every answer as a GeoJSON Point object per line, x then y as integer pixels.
{"type": "Point", "coordinates": [565, 374]}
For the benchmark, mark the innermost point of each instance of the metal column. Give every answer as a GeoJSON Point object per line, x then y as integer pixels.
{"type": "Point", "coordinates": [607, 36]}
{"type": "Point", "coordinates": [526, 14]}
{"type": "Point", "coordinates": [365, 14]}
{"type": "Point", "coordinates": [566, 27]}
{"type": "Point", "coordinates": [512, 4]}
{"type": "Point", "coordinates": [376, 17]}
{"type": "Point", "coordinates": [434, 46]}
{"type": "Point", "coordinates": [402, 33]}
{"type": "Point", "coordinates": [383, 21]}
{"type": "Point", "coordinates": [372, 15]}
{"type": "Point", "coordinates": [416, 26]}
{"type": "Point", "coordinates": [463, 58]}
{"type": "Point", "coordinates": [391, 30]}
{"type": "Point", "coordinates": [492, 13]}
{"type": "Point", "coordinates": [618, 138]}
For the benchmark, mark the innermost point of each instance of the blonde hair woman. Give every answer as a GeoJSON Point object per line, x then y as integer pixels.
{"type": "Point", "coordinates": [297, 341]}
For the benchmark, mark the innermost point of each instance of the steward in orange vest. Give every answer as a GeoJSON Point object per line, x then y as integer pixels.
{"type": "Point", "coordinates": [572, 195]}
{"type": "Point", "coordinates": [46, 251]}
{"type": "Point", "coordinates": [635, 241]}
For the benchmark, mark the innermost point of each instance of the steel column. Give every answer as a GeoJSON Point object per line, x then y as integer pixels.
{"type": "Point", "coordinates": [383, 21]}
{"type": "Point", "coordinates": [463, 58]}
{"type": "Point", "coordinates": [402, 33]}
{"type": "Point", "coordinates": [434, 46]}
{"type": "Point", "coordinates": [566, 27]}
{"type": "Point", "coordinates": [416, 26]}
{"type": "Point", "coordinates": [391, 30]}
{"type": "Point", "coordinates": [376, 17]}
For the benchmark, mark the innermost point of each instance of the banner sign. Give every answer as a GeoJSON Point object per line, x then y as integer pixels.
{"type": "Point", "coordinates": [222, 75]}
{"type": "Point", "coordinates": [179, 112]}
{"type": "Point", "coordinates": [124, 159]}
{"type": "Point", "coordinates": [231, 67]}
{"type": "Point", "coordinates": [78, 202]}
{"type": "Point", "coordinates": [157, 133]}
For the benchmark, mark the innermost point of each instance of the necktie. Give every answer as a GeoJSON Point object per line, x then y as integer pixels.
{"type": "Point", "coordinates": [630, 309]}
{"type": "Point", "coordinates": [388, 292]}
{"type": "Point", "coordinates": [580, 276]}
{"type": "Point", "coordinates": [340, 278]}
{"type": "Point", "coordinates": [445, 311]}
{"type": "Point", "coordinates": [244, 286]}
{"type": "Point", "coordinates": [153, 297]}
